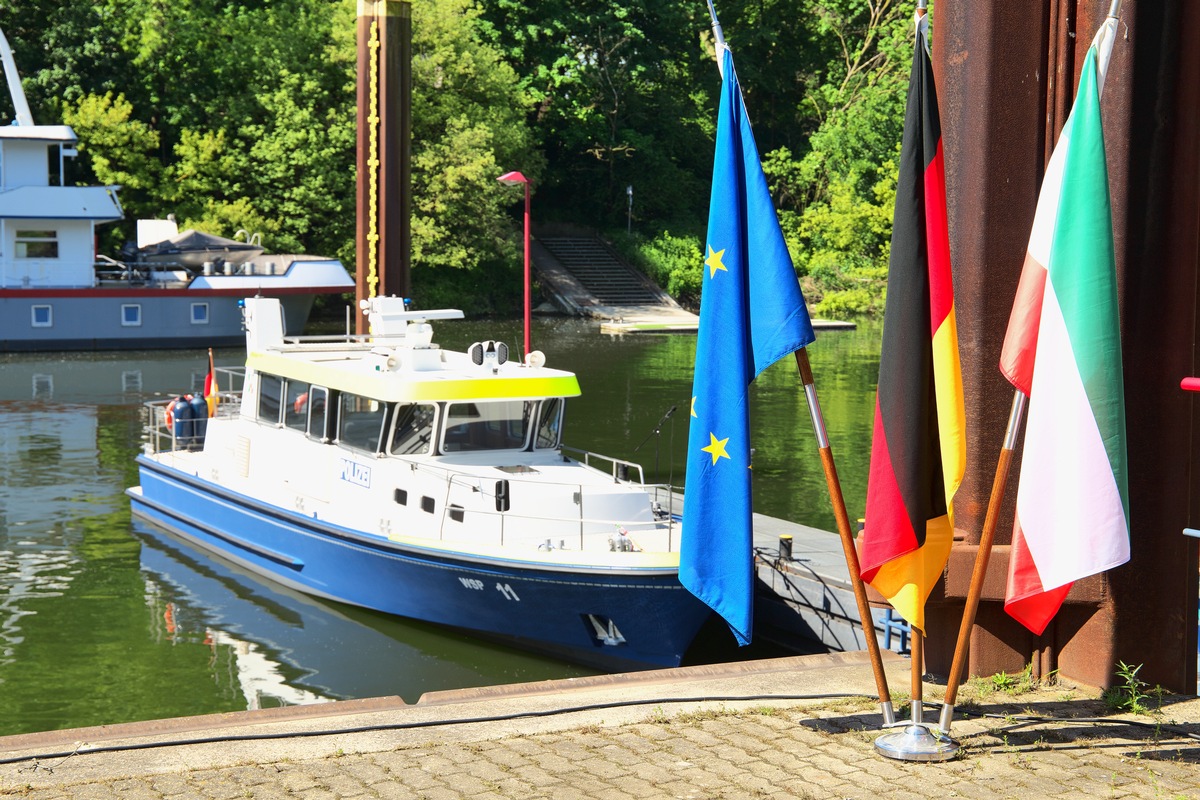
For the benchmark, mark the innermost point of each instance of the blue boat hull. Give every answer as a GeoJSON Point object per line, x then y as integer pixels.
{"type": "Point", "coordinates": [606, 619]}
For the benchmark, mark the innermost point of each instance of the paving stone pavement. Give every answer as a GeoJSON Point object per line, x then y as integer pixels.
{"type": "Point", "coordinates": [808, 730]}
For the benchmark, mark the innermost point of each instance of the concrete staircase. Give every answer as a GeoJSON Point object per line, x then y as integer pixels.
{"type": "Point", "coordinates": [601, 271]}
{"type": "Point", "coordinates": [582, 276]}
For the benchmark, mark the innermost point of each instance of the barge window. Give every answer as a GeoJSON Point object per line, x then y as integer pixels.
{"type": "Point", "coordinates": [360, 422]}
{"type": "Point", "coordinates": [42, 316]}
{"type": "Point", "coordinates": [36, 244]}
{"type": "Point", "coordinates": [295, 405]}
{"type": "Point", "coordinates": [199, 313]}
{"type": "Point", "coordinates": [131, 315]}
{"type": "Point", "coordinates": [550, 423]}
{"type": "Point", "coordinates": [270, 389]}
{"type": "Point", "coordinates": [496, 425]}
{"type": "Point", "coordinates": [413, 430]}
{"type": "Point", "coordinates": [318, 418]}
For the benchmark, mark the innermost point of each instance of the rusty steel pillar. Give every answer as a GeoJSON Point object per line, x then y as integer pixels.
{"type": "Point", "coordinates": [384, 240]}
{"type": "Point", "coordinates": [1007, 75]}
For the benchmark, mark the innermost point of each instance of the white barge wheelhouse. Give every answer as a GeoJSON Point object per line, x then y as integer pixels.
{"type": "Point", "coordinates": [172, 291]}
{"type": "Point", "coordinates": [389, 473]}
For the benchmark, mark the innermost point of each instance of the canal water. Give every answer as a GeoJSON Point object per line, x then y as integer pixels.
{"type": "Point", "coordinates": [104, 619]}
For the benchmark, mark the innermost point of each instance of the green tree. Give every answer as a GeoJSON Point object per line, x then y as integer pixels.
{"type": "Point", "coordinates": [468, 129]}
{"type": "Point", "coordinates": [63, 50]}
{"type": "Point", "coordinates": [616, 99]}
{"type": "Point", "coordinates": [836, 199]}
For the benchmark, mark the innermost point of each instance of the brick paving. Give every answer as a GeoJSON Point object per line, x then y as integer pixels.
{"type": "Point", "coordinates": [658, 748]}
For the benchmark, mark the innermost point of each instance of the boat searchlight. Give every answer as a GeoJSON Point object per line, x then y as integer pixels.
{"type": "Point", "coordinates": [489, 353]}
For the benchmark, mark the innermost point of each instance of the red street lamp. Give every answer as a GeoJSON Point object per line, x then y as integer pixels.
{"type": "Point", "coordinates": [512, 179]}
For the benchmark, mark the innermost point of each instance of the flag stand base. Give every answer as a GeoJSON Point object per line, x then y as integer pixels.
{"type": "Point", "coordinates": [916, 743]}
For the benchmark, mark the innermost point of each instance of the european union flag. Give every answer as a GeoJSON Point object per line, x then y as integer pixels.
{"type": "Point", "coordinates": [751, 315]}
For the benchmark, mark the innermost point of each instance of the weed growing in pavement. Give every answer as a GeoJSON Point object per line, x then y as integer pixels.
{"type": "Point", "coordinates": [704, 714]}
{"type": "Point", "coordinates": [1009, 683]}
{"type": "Point", "coordinates": [1133, 694]}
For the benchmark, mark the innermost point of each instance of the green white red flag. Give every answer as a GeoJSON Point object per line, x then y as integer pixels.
{"type": "Point", "coordinates": [1063, 349]}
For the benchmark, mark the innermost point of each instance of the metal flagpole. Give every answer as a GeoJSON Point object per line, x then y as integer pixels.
{"type": "Point", "coordinates": [835, 489]}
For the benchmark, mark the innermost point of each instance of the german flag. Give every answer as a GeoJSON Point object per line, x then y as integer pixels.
{"type": "Point", "coordinates": [918, 450]}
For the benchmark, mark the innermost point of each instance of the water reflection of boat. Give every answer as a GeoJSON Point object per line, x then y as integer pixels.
{"type": "Point", "coordinates": [94, 379]}
{"type": "Point", "coordinates": [391, 474]}
{"type": "Point", "coordinates": [284, 647]}
{"type": "Point", "coordinates": [55, 294]}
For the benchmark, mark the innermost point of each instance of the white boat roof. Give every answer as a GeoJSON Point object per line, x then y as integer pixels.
{"type": "Point", "coordinates": [98, 203]}
{"type": "Point", "coordinates": [401, 374]}
{"type": "Point", "coordinates": [61, 134]}
{"type": "Point", "coordinates": [293, 271]}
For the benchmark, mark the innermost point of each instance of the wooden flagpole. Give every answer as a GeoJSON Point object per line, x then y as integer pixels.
{"type": "Point", "coordinates": [847, 537]}
{"type": "Point", "coordinates": [835, 490]}
{"type": "Point", "coordinates": [999, 483]}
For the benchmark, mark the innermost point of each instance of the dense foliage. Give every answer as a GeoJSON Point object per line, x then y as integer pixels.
{"type": "Point", "coordinates": [240, 115]}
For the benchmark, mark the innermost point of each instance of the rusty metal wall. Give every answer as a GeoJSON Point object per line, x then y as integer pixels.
{"type": "Point", "coordinates": [1007, 74]}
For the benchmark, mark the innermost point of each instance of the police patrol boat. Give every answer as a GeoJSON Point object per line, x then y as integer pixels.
{"type": "Point", "coordinates": [386, 472]}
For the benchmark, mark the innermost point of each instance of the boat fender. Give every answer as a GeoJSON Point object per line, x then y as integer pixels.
{"type": "Point", "coordinates": [181, 420]}
{"type": "Point", "coordinates": [502, 497]}
{"type": "Point", "coordinates": [199, 418]}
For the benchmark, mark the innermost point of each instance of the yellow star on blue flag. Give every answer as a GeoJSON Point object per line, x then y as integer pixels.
{"type": "Point", "coordinates": [751, 315]}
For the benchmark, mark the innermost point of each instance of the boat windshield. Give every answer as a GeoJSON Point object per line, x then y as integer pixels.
{"type": "Point", "coordinates": [550, 423]}
{"type": "Point", "coordinates": [360, 422]}
{"type": "Point", "coordinates": [413, 429]}
{"type": "Point", "coordinates": [491, 425]}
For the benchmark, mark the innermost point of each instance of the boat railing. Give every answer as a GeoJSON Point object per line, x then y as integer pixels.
{"type": "Point", "coordinates": [109, 271]}
{"type": "Point", "coordinates": [663, 502]}
{"type": "Point", "coordinates": [162, 432]}
{"type": "Point", "coordinates": [619, 468]}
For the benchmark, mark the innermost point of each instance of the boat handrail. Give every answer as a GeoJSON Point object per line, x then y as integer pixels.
{"type": "Point", "coordinates": [322, 344]}
{"type": "Point", "coordinates": [615, 526]}
{"type": "Point", "coordinates": [619, 475]}
{"type": "Point", "coordinates": [476, 483]}
{"type": "Point", "coordinates": [159, 436]}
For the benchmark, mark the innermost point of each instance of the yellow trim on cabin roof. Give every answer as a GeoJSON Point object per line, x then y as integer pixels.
{"type": "Point", "coordinates": [417, 386]}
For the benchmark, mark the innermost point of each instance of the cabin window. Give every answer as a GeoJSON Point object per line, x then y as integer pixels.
{"type": "Point", "coordinates": [360, 422]}
{"type": "Point", "coordinates": [550, 423]}
{"type": "Point", "coordinates": [131, 315]}
{"type": "Point", "coordinates": [496, 425]}
{"type": "Point", "coordinates": [36, 244]}
{"type": "Point", "coordinates": [318, 417]}
{"type": "Point", "coordinates": [199, 313]}
{"type": "Point", "coordinates": [413, 430]}
{"type": "Point", "coordinates": [270, 390]}
{"type": "Point", "coordinates": [295, 405]}
{"type": "Point", "coordinates": [42, 316]}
